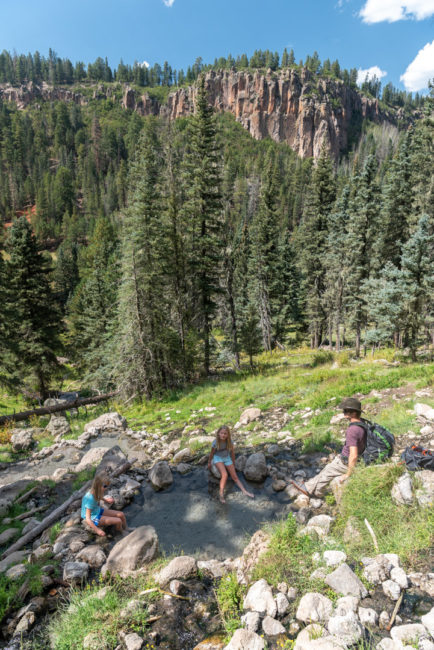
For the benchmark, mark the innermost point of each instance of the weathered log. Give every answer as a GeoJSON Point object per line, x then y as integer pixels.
{"type": "Point", "coordinates": [25, 496]}
{"type": "Point", "coordinates": [52, 517]}
{"type": "Point", "coordinates": [48, 410]}
{"type": "Point", "coordinates": [29, 513]}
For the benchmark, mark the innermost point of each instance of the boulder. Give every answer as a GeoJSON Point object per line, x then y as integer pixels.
{"type": "Point", "coordinates": [428, 621]}
{"type": "Point", "coordinates": [58, 425]}
{"type": "Point", "coordinates": [314, 608]}
{"type": "Point", "coordinates": [182, 455]}
{"type": "Point", "coordinates": [7, 535]}
{"type": "Point", "coordinates": [133, 551]}
{"type": "Point", "coordinates": [321, 521]}
{"type": "Point", "coordinates": [272, 627]}
{"type": "Point", "coordinates": [255, 548]}
{"type": "Point", "coordinates": [245, 640]}
{"type": "Point", "coordinates": [75, 572]}
{"type": "Point", "coordinates": [399, 576]}
{"type": "Point", "coordinates": [180, 568]}
{"type": "Point", "coordinates": [214, 568]}
{"type": "Point", "coordinates": [160, 475]}
{"type": "Point", "coordinates": [249, 415]}
{"type": "Point", "coordinates": [408, 633]}
{"type": "Point", "coordinates": [13, 558]}
{"type": "Point", "coordinates": [93, 555]}
{"type": "Point", "coordinates": [310, 632]}
{"type": "Point", "coordinates": [325, 643]}
{"type": "Point", "coordinates": [256, 467]}
{"type": "Point", "coordinates": [391, 589]}
{"type": "Point", "coordinates": [344, 581]}
{"type": "Point", "coordinates": [282, 603]}
{"type": "Point", "coordinates": [16, 572]}
{"type": "Point", "coordinates": [251, 621]}
{"type": "Point", "coordinates": [402, 490]}
{"type": "Point", "coordinates": [22, 439]}
{"type": "Point", "coordinates": [378, 570]}
{"type": "Point", "coordinates": [132, 641]}
{"type": "Point", "coordinates": [368, 616]}
{"type": "Point", "coordinates": [113, 457]}
{"type": "Point", "coordinates": [260, 599]}
{"type": "Point", "coordinates": [346, 604]}
{"type": "Point", "coordinates": [424, 411]}
{"type": "Point", "coordinates": [278, 485]}
{"type": "Point", "coordinates": [183, 468]}
{"type": "Point", "coordinates": [346, 628]}
{"type": "Point", "coordinates": [107, 422]}
{"type": "Point", "coordinates": [334, 558]}
{"type": "Point", "coordinates": [91, 458]}
{"type": "Point", "coordinates": [425, 494]}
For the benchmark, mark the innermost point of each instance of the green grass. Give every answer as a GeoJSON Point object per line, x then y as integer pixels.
{"type": "Point", "coordinates": [405, 530]}
{"type": "Point", "coordinates": [82, 477]}
{"type": "Point", "coordinates": [9, 589]}
{"type": "Point", "coordinates": [85, 614]}
{"type": "Point", "coordinates": [229, 595]}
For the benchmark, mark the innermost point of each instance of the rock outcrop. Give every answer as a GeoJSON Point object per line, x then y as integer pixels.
{"type": "Point", "coordinates": [289, 106]}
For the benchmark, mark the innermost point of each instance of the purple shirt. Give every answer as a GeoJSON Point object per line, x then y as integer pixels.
{"type": "Point", "coordinates": [355, 437]}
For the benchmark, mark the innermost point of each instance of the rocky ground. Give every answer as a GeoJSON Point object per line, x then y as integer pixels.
{"type": "Point", "coordinates": [181, 607]}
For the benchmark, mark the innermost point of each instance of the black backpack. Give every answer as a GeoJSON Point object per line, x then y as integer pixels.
{"type": "Point", "coordinates": [418, 458]}
{"type": "Point", "coordinates": [379, 442]}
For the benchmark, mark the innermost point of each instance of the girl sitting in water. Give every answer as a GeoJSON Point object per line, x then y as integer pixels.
{"type": "Point", "coordinates": [96, 516]}
{"type": "Point", "coordinates": [223, 457]}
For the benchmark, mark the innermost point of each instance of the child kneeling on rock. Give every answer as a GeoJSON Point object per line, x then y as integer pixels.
{"type": "Point", "coordinates": [223, 457]}
{"type": "Point", "coordinates": [96, 516]}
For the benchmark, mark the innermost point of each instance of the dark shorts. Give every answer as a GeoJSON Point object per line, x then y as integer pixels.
{"type": "Point", "coordinates": [97, 517]}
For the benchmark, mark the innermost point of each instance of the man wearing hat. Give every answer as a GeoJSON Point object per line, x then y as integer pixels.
{"type": "Point", "coordinates": [342, 465]}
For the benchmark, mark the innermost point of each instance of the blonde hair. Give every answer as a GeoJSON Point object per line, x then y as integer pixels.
{"type": "Point", "coordinates": [97, 485]}
{"type": "Point", "coordinates": [229, 443]}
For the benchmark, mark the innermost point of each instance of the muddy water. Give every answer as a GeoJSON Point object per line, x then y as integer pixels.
{"type": "Point", "coordinates": [188, 516]}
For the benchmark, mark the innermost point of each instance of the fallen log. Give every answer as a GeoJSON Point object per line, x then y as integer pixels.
{"type": "Point", "coordinates": [48, 410]}
{"type": "Point", "coordinates": [29, 513]}
{"type": "Point", "coordinates": [52, 517]}
{"type": "Point", "coordinates": [25, 496]}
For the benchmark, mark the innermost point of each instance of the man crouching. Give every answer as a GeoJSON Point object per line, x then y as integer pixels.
{"type": "Point", "coordinates": [342, 465]}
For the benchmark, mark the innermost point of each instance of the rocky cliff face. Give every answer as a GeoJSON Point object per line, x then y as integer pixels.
{"type": "Point", "coordinates": [291, 106]}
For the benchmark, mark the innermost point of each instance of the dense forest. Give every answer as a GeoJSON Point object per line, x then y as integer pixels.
{"type": "Point", "coordinates": [18, 69]}
{"type": "Point", "coordinates": [151, 252]}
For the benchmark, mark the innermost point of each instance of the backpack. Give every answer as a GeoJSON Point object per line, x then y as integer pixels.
{"type": "Point", "coordinates": [418, 458]}
{"type": "Point", "coordinates": [379, 442]}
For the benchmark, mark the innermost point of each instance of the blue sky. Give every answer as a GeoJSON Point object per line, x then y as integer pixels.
{"type": "Point", "coordinates": [389, 34]}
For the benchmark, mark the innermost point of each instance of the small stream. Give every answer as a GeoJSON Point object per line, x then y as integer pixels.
{"type": "Point", "coordinates": [189, 518]}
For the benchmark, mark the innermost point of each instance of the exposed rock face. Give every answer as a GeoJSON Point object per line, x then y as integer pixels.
{"type": "Point", "coordinates": [289, 106]}
{"type": "Point", "coordinates": [133, 551]}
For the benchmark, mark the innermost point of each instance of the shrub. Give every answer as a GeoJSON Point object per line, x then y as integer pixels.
{"type": "Point", "coordinates": [322, 357]}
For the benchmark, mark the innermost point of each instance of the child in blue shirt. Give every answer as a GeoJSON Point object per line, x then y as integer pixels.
{"type": "Point", "coordinates": [223, 457]}
{"type": "Point", "coordinates": [96, 516]}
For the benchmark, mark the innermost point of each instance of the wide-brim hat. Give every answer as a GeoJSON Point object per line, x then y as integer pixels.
{"type": "Point", "coordinates": [351, 403]}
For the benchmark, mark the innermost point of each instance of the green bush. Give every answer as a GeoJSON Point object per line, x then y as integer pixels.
{"type": "Point", "coordinates": [322, 357]}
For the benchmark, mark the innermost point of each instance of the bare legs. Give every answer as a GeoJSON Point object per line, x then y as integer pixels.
{"type": "Point", "coordinates": [114, 518]}
{"type": "Point", "coordinates": [224, 470]}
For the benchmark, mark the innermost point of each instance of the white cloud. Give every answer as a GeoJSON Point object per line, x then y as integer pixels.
{"type": "Point", "coordinates": [376, 11]}
{"type": "Point", "coordinates": [168, 3]}
{"type": "Point", "coordinates": [420, 70]}
{"type": "Point", "coordinates": [144, 64]}
{"type": "Point", "coordinates": [373, 71]}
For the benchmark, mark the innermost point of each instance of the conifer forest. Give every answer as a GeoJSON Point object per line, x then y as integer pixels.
{"type": "Point", "coordinates": [150, 252]}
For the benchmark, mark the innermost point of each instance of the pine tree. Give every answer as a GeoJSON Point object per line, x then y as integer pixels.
{"type": "Point", "coordinates": [203, 208]}
{"type": "Point", "coordinates": [36, 316]}
{"type": "Point", "coordinates": [312, 242]}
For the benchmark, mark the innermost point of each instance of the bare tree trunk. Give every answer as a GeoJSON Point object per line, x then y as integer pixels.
{"type": "Point", "coordinates": [358, 340]}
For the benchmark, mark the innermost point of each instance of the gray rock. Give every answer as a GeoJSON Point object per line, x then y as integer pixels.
{"type": "Point", "coordinates": [25, 623]}
{"type": "Point", "coordinates": [160, 475]}
{"type": "Point", "coordinates": [273, 450]}
{"type": "Point", "coordinates": [91, 458]}
{"type": "Point", "coordinates": [245, 640]}
{"type": "Point", "coordinates": [132, 552]}
{"type": "Point", "coordinates": [260, 599]}
{"type": "Point", "coordinates": [22, 439]}
{"type": "Point", "coordinates": [214, 568]}
{"type": "Point", "coordinates": [351, 531]}
{"type": "Point", "coordinates": [408, 633]}
{"type": "Point", "coordinates": [13, 558]}
{"type": "Point", "coordinates": [346, 604]}
{"type": "Point", "coordinates": [386, 644]}
{"type": "Point", "coordinates": [58, 425]}
{"type": "Point", "coordinates": [344, 581]}
{"type": "Point", "coordinates": [346, 628]}
{"type": "Point", "coordinates": [251, 621]}
{"type": "Point", "coordinates": [425, 411]}
{"type": "Point", "coordinates": [426, 644]}
{"type": "Point", "coordinates": [182, 455]}
{"type": "Point", "coordinates": [282, 604]}
{"type": "Point", "coordinates": [402, 490]}
{"type": "Point", "coordinates": [325, 643]}
{"type": "Point", "coordinates": [180, 568]}
{"type": "Point", "coordinates": [425, 494]}
{"type": "Point", "coordinates": [378, 570]}
{"type": "Point", "coordinates": [7, 535]}
{"type": "Point", "coordinates": [309, 633]}
{"type": "Point", "coordinates": [368, 616]}
{"type": "Point", "coordinates": [272, 627]}
{"type": "Point", "coordinates": [132, 607]}
{"type": "Point", "coordinates": [278, 485]}
{"type": "Point", "coordinates": [334, 558]}
{"type": "Point", "coordinates": [93, 641]}
{"type": "Point", "coordinates": [321, 521]}
{"type": "Point", "coordinates": [383, 620]}
{"type": "Point", "coordinates": [428, 621]}
{"type": "Point", "coordinates": [391, 589]}
{"type": "Point", "coordinates": [249, 415]}
{"type": "Point", "coordinates": [31, 523]}
{"type": "Point", "coordinates": [133, 641]}
{"type": "Point", "coordinates": [314, 608]}
{"type": "Point", "coordinates": [93, 555]}
{"type": "Point", "coordinates": [75, 572]}
{"type": "Point", "coordinates": [107, 422]}
{"type": "Point", "coordinates": [256, 467]}
{"type": "Point", "coordinates": [399, 576]}
{"type": "Point", "coordinates": [16, 571]}
{"type": "Point", "coordinates": [183, 468]}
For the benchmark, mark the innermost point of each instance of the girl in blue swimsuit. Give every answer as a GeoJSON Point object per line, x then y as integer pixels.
{"type": "Point", "coordinates": [223, 457]}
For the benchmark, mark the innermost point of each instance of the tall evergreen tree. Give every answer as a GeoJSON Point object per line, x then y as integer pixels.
{"type": "Point", "coordinates": [202, 170]}
{"type": "Point", "coordinates": [36, 316]}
